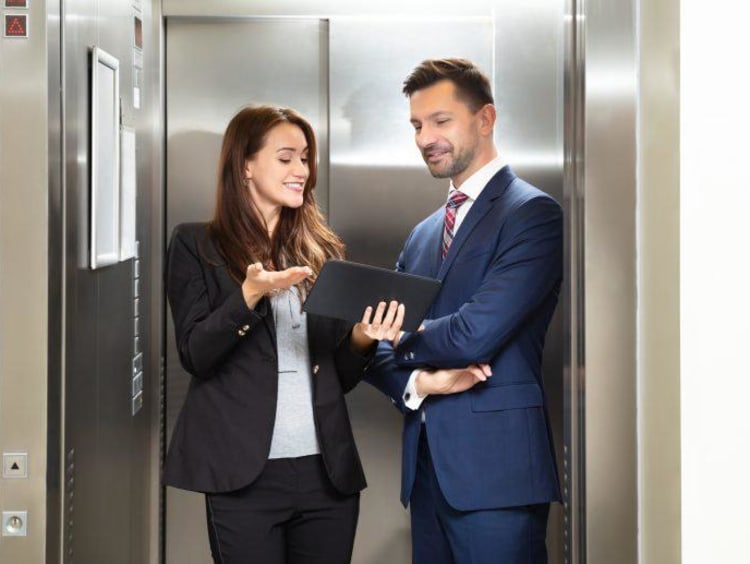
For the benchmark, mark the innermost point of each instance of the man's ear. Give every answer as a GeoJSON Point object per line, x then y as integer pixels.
{"type": "Point", "coordinates": [487, 118]}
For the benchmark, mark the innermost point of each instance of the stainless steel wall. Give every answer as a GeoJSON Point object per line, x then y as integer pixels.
{"type": "Point", "coordinates": [67, 332]}
{"type": "Point", "coordinates": [24, 280]}
{"type": "Point", "coordinates": [347, 79]}
{"type": "Point", "coordinates": [608, 186]}
{"type": "Point", "coordinates": [109, 450]}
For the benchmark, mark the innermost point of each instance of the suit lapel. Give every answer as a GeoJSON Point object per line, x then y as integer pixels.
{"type": "Point", "coordinates": [494, 189]}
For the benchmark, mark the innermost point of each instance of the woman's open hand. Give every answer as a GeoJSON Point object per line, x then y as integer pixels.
{"type": "Point", "coordinates": [378, 324]}
{"type": "Point", "coordinates": [259, 281]}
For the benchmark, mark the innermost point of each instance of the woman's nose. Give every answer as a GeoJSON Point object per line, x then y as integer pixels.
{"type": "Point", "coordinates": [302, 169]}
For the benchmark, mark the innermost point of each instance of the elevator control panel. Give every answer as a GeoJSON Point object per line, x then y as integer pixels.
{"type": "Point", "coordinates": [15, 24]}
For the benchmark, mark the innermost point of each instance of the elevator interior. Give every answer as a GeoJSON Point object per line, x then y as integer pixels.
{"type": "Point", "coordinates": [93, 493]}
{"type": "Point", "coordinates": [345, 74]}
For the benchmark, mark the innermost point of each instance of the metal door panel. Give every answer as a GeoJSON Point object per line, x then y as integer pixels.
{"type": "Point", "coordinates": [373, 163]}
{"type": "Point", "coordinates": [214, 68]}
{"type": "Point", "coordinates": [380, 187]}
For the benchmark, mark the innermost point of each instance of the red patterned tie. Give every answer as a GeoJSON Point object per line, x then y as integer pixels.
{"type": "Point", "coordinates": [454, 201]}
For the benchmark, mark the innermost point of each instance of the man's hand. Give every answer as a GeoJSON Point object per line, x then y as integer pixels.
{"type": "Point", "coordinates": [451, 381]}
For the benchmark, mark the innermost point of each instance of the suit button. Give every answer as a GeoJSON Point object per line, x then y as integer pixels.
{"type": "Point", "coordinates": [241, 333]}
{"type": "Point", "coordinates": [315, 369]}
{"type": "Point", "coordinates": [245, 327]}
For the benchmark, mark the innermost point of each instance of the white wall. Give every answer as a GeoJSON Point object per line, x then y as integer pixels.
{"type": "Point", "coordinates": [715, 281]}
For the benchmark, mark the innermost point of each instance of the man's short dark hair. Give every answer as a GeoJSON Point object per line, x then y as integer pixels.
{"type": "Point", "coordinates": [472, 86]}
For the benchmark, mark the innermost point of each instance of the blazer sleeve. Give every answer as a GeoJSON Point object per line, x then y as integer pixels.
{"type": "Point", "coordinates": [525, 270]}
{"type": "Point", "coordinates": [383, 373]}
{"type": "Point", "coordinates": [205, 333]}
{"type": "Point", "coordinates": [386, 376]}
{"type": "Point", "coordinates": [350, 365]}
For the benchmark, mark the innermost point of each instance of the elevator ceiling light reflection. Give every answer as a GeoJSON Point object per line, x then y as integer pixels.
{"type": "Point", "coordinates": [384, 159]}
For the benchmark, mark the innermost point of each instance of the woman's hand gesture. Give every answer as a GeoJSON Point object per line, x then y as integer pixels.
{"type": "Point", "coordinates": [260, 282]}
{"type": "Point", "coordinates": [378, 324]}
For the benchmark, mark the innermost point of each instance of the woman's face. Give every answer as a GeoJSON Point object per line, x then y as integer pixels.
{"type": "Point", "coordinates": [277, 173]}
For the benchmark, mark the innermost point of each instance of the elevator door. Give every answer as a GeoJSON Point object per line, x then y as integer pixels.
{"type": "Point", "coordinates": [213, 68]}
{"type": "Point", "coordinates": [345, 74]}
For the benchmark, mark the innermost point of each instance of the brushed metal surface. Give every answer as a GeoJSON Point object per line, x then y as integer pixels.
{"type": "Point", "coordinates": [609, 333]}
{"type": "Point", "coordinates": [380, 187]}
{"type": "Point", "coordinates": [116, 453]}
{"type": "Point", "coordinates": [573, 290]}
{"type": "Point", "coordinates": [24, 278]}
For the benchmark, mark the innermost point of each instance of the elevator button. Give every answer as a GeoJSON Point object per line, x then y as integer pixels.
{"type": "Point", "coordinates": [14, 523]}
{"type": "Point", "coordinates": [15, 465]}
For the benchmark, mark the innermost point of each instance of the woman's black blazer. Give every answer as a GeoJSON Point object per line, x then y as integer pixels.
{"type": "Point", "coordinates": [222, 436]}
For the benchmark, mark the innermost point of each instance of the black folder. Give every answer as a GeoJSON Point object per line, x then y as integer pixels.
{"type": "Point", "coordinates": [344, 289]}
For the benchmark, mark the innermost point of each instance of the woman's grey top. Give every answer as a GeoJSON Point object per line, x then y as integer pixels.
{"type": "Point", "coordinates": [294, 431]}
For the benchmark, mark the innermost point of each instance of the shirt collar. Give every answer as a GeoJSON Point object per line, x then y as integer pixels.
{"type": "Point", "coordinates": [474, 185]}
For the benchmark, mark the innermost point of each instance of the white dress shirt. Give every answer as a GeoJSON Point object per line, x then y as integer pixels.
{"type": "Point", "coordinates": [472, 187]}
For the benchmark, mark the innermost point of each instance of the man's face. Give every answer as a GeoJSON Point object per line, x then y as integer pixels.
{"type": "Point", "coordinates": [446, 131]}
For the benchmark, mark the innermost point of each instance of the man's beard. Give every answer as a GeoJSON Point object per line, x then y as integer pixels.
{"type": "Point", "coordinates": [460, 163]}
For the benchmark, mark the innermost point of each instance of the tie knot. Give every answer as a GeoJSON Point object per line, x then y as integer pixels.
{"type": "Point", "coordinates": [456, 199]}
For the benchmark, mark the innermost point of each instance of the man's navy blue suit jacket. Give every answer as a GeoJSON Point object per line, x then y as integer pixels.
{"type": "Point", "coordinates": [491, 445]}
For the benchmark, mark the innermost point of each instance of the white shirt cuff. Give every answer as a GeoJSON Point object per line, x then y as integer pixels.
{"type": "Point", "coordinates": [411, 398]}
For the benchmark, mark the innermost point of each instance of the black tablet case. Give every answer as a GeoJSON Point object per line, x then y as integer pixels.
{"type": "Point", "coordinates": [344, 289]}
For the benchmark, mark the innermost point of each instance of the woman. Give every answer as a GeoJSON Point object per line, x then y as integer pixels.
{"type": "Point", "coordinates": [264, 431]}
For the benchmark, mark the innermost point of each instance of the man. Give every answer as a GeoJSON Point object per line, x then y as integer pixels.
{"type": "Point", "coordinates": [478, 462]}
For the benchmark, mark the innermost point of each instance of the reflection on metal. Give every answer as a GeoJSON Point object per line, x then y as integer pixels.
{"type": "Point", "coordinates": [94, 420]}
{"type": "Point", "coordinates": [574, 467]}
{"type": "Point", "coordinates": [370, 58]}
{"type": "Point", "coordinates": [411, 159]}
{"type": "Point", "coordinates": [607, 130]}
{"type": "Point", "coordinates": [56, 310]}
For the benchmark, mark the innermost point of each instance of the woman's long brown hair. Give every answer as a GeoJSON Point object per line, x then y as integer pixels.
{"type": "Point", "coordinates": [301, 238]}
